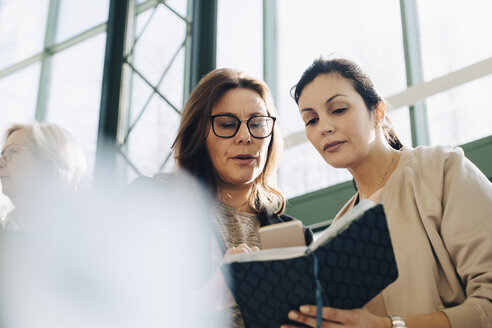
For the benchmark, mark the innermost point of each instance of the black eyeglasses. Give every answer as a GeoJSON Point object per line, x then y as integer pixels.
{"type": "Point", "coordinates": [226, 126]}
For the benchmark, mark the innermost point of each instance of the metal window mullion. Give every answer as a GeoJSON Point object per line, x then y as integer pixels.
{"type": "Point", "coordinates": [413, 63]}
{"type": "Point", "coordinates": [21, 65]}
{"type": "Point", "coordinates": [188, 47]}
{"type": "Point", "coordinates": [203, 40]}
{"type": "Point", "coordinates": [141, 7]}
{"type": "Point", "coordinates": [113, 91]}
{"type": "Point", "coordinates": [154, 88]}
{"type": "Point", "coordinates": [131, 125]}
{"type": "Point", "coordinates": [123, 155]}
{"type": "Point", "coordinates": [270, 60]}
{"type": "Point", "coordinates": [46, 58]}
{"type": "Point", "coordinates": [53, 49]}
{"type": "Point", "coordinates": [171, 9]}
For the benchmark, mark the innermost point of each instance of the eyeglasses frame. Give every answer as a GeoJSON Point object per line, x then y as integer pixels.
{"type": "Point", "coordinates": [212, 117]}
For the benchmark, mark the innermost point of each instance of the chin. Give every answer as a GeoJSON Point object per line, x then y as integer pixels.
{"type": "Point", "coordinates": [241, 180]}
{"type": "Point", "coordinates": [336, 164]}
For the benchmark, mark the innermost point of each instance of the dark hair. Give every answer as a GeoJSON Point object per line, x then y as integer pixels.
{"type": "Point", "coordinates": [361, 82]}
{"type": "Point", "coordinates": [190, 147]}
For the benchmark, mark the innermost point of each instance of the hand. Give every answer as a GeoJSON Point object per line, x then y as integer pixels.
{"type": "Point", "coordinates": [360, 318]}
{"type": "Point", "coordinates": [243, 248]}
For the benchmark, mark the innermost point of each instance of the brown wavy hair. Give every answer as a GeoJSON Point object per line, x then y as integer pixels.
{"type": "Point", "coordinates": [190, 149]}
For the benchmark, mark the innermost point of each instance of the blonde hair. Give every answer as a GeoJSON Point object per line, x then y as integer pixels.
{"type": "Point", "coordinates": [190, 148]}
{"type": "Point", "coordinates": [56, 146]}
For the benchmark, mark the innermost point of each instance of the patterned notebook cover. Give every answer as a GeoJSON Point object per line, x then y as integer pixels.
{"type": "Point", "coordinates": [353, 268]}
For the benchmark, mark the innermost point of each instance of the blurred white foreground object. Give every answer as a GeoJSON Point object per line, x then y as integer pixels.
{"type": "Point", "coordinates": [112, 259]}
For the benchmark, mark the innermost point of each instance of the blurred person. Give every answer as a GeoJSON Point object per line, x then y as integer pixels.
{"type": "Point", "coordinates": [438, 206]}
{"type": "Point", "coordinates": [111, 259]}
{"type": "Point", "coordinates": [38, 160]}
{"type": "Point", "coordinates": [227, 138]}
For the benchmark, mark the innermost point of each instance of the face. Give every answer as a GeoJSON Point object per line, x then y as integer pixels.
{"type": "Point", "coordinates": [241, 159]}
{"type": "Point", "coordinates": [17, 171]}
{"type": "Point", "coordinates": [337, 121]}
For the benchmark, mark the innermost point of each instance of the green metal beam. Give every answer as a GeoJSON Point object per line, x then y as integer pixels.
{"type": "Point", "coordinates": [413, 63]}
{"type": "Point", "coordinates": [112, 88]}
{"type": "Point", "coordinates": [203, 40]}
{"type": "Point", "coordinates": [188, 47]}
{"type": "Point", "coordinates": [270, 59]}
{"type": "Point", "coordinates": [46, 59]}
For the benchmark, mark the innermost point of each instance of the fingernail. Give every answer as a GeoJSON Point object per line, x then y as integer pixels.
{"type": "Point", "coordinates": [292, 315]}
{"type": "Point", "coordinates": [304, 308]}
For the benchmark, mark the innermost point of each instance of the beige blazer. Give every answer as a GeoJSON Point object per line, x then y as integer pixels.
{"type": "Point", "coordinates": [439, 210]}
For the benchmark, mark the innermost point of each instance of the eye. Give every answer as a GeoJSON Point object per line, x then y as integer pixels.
{"type": "Point", "coordinates": [228, 125]}
{"type": "Point", "coordinates": [339, 110]}
{"type": "Point", "coordinates": [257, 123]}
{"type": "Point", "coordinates": [225, 122]}
{"type": "Point", "coordinates": [312, 121]}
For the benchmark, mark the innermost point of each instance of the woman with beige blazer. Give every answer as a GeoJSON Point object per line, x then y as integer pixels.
{"type": "Point", "coordinates": [438, 206]}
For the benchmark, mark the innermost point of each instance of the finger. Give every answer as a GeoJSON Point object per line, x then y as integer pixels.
{"type": "Point", "coordinates": [327, 312]}
{"type": "Point", "coordinates": [244, 247]}
{"type": "Point", "coordinates": [311, 321]}
{"type": "Point", "coordinates": [235, 250]}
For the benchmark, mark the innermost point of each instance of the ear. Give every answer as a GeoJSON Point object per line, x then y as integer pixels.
{"type": "Point", "coordinates": [379, 113]}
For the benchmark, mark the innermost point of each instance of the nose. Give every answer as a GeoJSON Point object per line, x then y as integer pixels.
{"type": "Point", "coordinates": [243, 135]}
{"type": "Point", "coordinates": [327, 127]}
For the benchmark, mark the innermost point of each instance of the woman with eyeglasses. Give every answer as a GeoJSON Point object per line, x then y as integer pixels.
{"type": "Point", "coordinates": [37, 160]}
{"type": "Point", "coordinates": [227, 138]}
{"type": "Point", "coordinates": [438, 207]}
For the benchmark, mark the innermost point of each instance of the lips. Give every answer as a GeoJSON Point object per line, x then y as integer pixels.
{"type": "Point", "coordinates": [243, 159]}
{"type": "Point", "coordinates": [333, 146]}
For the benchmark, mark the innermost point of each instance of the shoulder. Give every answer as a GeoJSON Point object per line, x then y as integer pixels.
{"type": "Point", "coordinates": [431, 164]}
{"type": "Point", "coordinates": [440, 162]}
{"type": "Point", "coordinates": [177, 180]}
{"type": "Point", "coordinates": [434, 155]}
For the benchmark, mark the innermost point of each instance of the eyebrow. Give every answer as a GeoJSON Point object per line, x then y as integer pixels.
{"type": "Point", "coordinates": [252, 114]}
{"type": "Point", "coordinates": [326, 102]}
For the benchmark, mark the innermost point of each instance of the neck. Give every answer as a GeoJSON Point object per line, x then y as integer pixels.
{"type": "Point", "coordinates": [236, 197]}
{"type": "Point", "coordinates": [374, 170]}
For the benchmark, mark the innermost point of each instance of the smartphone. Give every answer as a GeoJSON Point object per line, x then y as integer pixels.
{"type": "Point", "coordinates": [285, 234]}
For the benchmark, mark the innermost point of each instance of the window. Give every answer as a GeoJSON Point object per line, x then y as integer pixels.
{"type": "Point", "coordinates": [75, 93]}
{"type": "Point", "coordinates": [239, 36]}
{"type": "Point", "coordinates": [18, 93]}
{"type": "Point", "coordinates": [22, 27]}
{"type": "Point", "coordinates": [158, 61]}
{"type": "Point", "coordinates": [462, 114]}
{"type": "Point", "coordinates": [76, 17]}
{"type": "Point", "coordinates": [453, 34]}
